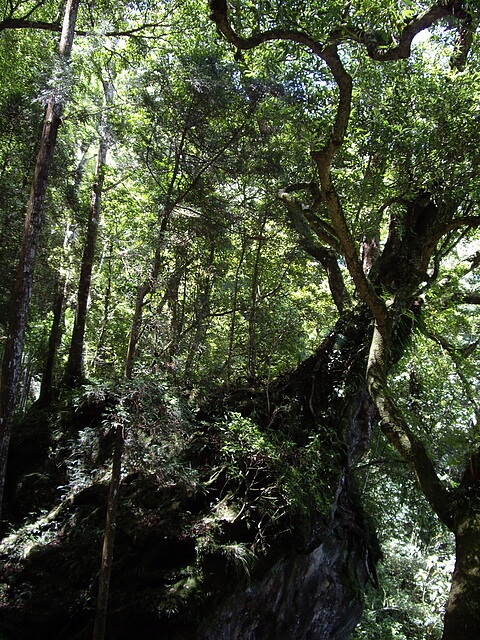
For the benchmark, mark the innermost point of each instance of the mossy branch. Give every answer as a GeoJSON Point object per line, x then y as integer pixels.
{"type": "Point", "coordinates": [399, 433]}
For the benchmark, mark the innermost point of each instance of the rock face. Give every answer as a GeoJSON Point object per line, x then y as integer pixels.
{"type": "Point", "coordinates": [316, 595]}
{"type": "Point", "coordinates": [307, 597]}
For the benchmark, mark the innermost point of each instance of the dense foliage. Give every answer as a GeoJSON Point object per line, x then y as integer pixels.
{"type": "Point", "coordinates": [259, 233]}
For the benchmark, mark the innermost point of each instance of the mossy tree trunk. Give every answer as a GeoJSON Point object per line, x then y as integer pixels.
{"type": "Point", "coordinates": [462, 614]}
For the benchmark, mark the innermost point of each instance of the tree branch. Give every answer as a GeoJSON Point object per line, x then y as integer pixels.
{"type": "Point", "coordinates": [303, 225]}
{"type": "Point", "coordinates": [378, 50]}
{"type": "Point", "coordinates": [219, 15]}
{"type": "Point", "coordinates": [304, 221]}
{"type": "Point", "coordinates": [374, 44]}
{"type": "Point", "coordinates": [23, 23]}
{"type": "Point", "coordinates": [457, 223]}
{"type": "Point", "coordinates": [56, 27]}
{"type": "Point", "coordinates": [467, 298]}
{"type": "Point", "coordinates": [400, 435]}
{"type": "Point", "coordinates": [323, 158]}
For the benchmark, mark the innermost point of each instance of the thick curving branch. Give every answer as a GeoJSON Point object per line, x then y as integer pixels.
{"type": "Point", "coordinates": [219, 15]}
{"type": "Point", "coordinates": [400, 435]}
{"type": "Point", "coordinates": [323, 157]}
{"type": "Point", "coordinates": [378, 50]}
{"type": "Point", "coordinates": [457, 223]}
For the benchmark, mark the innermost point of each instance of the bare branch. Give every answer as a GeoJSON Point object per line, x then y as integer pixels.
{"type": "Point", "coordinates": [468, 298]}
{"type": "Point", "coordinates": [22, 23]}
{"type": "Point", "coordinates": [56, 27]}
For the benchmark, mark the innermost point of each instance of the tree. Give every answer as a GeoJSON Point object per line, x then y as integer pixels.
{"type": "Point", "coordinates": [12, 356]}
{"type": "Point", "coordinates": [74, 373]}
{"type": "Point", "coordinates": [180, 153]}
{"type": "Point", "coordinates": [109, 533]}
{"type": "Point", "coordinates": [421, 223]}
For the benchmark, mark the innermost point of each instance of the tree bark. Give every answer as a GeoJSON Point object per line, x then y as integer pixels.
{"type": "Point", "coordinates": [233, 320]}
{"type": "Point", "coordinates": [462, 614]}
{"type": "Point", "coordinates": [74, 372]}
{"type": "Point", "coordinates": [12, 358]}
{"type": "Point", "coordinates": [46, 388]}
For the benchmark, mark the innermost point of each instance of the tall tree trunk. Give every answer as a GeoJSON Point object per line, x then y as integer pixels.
{"type": "Point", "coordinates": [252, 346]}
{"type": "Point", "coordinates": [109, 535]}
{"type": "Point", "coordinates": [201, 311]}
{"type": "Point", "coordinates": [12, 358]}
{"type": "Point", "coordinates": [462, 614]}
{"type": "Point", "coordinates": [46, 387]}
{"type": "Point", "coordinates": [174, 302]}
{"type": "Point", "coordinates": [143, 290]}
{"type": "Point", "coordinates": [98, 359]}
{"type": "Point", "coordinates": [136, 327]}
{"type": "Point", "coordinates": [233, 321]}
{"type": "Point", "coordinates": [74, 372]}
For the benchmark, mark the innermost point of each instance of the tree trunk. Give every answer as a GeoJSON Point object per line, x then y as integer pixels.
{"type": "Point", "coordinates": [462, 614]}
{"type": "Point", "coordinates": [99, 358]}
{"type": "Point", "coordinates": [109, 536]}
{"type": "Point", "coordinates": [174, 305]}
{"type": "Point", "coordinates": [143, 290]}
{"type": "Point", "coordinates": [12, 357]}
{"type": "Point", "coordinates": [252, 346]}
{"type": "Point", "coordinates": [233, 321]}
{"type": "Point", "coordinates": [201, 313]}
{"type": "Point", "coordinates": [46, 388]}
{"type": "Point", "coordinates": [74, 373]}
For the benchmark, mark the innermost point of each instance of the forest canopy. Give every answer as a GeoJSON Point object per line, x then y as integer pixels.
{"type": "Point", "coordinates": [240, 256]}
